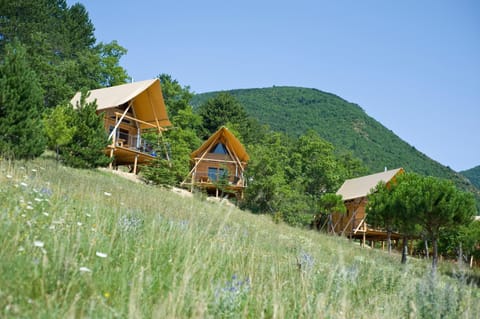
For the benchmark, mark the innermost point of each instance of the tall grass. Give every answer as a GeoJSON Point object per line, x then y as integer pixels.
{"type": "Point", "coordinates": [90, 244]}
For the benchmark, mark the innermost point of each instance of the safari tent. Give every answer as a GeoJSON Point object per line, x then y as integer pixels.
{"type": "Point", "coordinates": [218, 165]}
{"type": "Point", "coordinates": [354, 193]}
{"type": "Point", "coordinates": [130, 109]}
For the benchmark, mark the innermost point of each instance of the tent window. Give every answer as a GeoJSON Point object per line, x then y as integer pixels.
{"type": "Point", "coordinates": [219, 149]}
{"type": "Point", "coordinates": [216, 173]}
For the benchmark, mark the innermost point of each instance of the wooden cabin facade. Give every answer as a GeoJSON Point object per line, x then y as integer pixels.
{"type": "Point", "coordinates": [130, 110]}
{"type": "Point", "coordinates": [355, 196]}
{"type": "Point", "coordinates": [218, 165]}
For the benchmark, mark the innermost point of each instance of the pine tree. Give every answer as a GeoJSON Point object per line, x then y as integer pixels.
{"type": "Point", "coordinates": [21, 101]}
{"type": "Point", "coordinates": [86, 148]}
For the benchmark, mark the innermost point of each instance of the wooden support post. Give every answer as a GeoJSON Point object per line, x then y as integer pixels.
{"type": "Point", "coordinates": [110, 166]}
{"type": "Point", "coordinates": [135, 165]}
{"type": "Point", "coordinates": [364, 234]}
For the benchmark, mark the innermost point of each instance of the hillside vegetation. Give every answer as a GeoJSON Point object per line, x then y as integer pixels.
{"type": "Point", "coordinates": [294, 110]}
{"type": "Point", "coordinates": [79, 243]}
{"type": "Point", "coordinates": [473, 175]}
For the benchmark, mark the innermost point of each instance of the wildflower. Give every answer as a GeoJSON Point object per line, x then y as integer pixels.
{"type": "Point", "coordinates": [106, 294]}
{"type": "Point", "coordinates": [101, 255]}
{"type": "Point", "coordinates": [21, 248]}
{"type": "Point", "coordinates": [305, 261]}
{"type": "Point", "coordinates": [38, 243]}
{"type": "Point", "coordinates": [34, 170]}
{"type": "Point", "coordinates": [45, 213]}
{"type": "Point", "coordinates": [38, 199]}
{"type": "Point", "coordinates": [107, 194]}
{"type": "Point", "coordinates": [79, 224]}
{"type": "Point", "coordinates": [46, 191]}
{"type": "Point", "coordinates": [24, 184]}
{"type": "Point", "coordinates": [9, 176]}
{"type": "Point", "coordinates": [88, 215]}
{"type": "Point", "coordinates": [85, 269]}
{"type": "Point", "coordinates": [230, 297]}
{"type": "Point", "coordinates": [29, 207]}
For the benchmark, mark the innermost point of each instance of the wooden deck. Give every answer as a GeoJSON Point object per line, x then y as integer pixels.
{"type": "Point", "coordinates": [128, 156]}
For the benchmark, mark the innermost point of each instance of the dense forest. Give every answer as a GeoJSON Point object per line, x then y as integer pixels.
{"type": "Point", "coordinates": [295, 110]}
{"type": "Point", "coordinates": [473, 175]}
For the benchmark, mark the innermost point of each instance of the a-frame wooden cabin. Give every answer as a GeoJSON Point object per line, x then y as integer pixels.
{"type": "Point", "coordinates": [354, 193]}
{"type": "Point", "coordinates": [221, 157]}
{"type": "Point", "coordinates": [130, 110]}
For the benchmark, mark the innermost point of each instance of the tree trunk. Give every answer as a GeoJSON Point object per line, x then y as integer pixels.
{"type": "Point", "coordinates": [435, 254]}
{"type": "Point", "coordinates": [389, 241]}
{"type": "Point", "coordinates": [426, 248]}
{"type": "Point", "coordinates": [404, 250]}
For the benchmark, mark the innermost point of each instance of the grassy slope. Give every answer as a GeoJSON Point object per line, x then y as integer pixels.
{"type": "Point", "coordinates": [174, 257]}
{"type": "Point", "coordinates": [293, 110]}
{"type": "Point", "coordinates": [473, 175]}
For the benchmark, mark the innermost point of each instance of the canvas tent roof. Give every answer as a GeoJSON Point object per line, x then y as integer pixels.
{"type": "Point", "coordinates": [146, 95]}
{"type": "Point", "coordinates": [361, 186]}
{"type": "Point", "coordinates": [224, 136]}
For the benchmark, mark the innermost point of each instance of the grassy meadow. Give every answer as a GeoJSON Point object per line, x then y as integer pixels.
{"type": "Point", "coordinates": [90, 244]}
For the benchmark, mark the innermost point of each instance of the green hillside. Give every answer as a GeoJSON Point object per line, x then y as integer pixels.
{"type": "Point", "coordinates": [473, 175]}
{"type": "Point", "coordinates": [293, 110]}
{"type": "Point", "coordinates": [89, 244]}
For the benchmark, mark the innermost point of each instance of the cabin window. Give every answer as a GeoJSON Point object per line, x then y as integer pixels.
{"type": "Point", "coordinates": [216, 173]}
{"type": "Point", "coordinates": [219, 149]}
{"type": "Point", "coordinates": [123, 134]}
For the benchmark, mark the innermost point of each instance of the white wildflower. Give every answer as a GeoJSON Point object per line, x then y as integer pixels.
{"type": "Point", "coordinates": [34, 170]}
{"type": "Point", "coordinates": [101, 255]}
{"type": "Point", "coordinates": [38, 199]}
{"type": "Point", "coordinates": [38, 243]}
{"type": "Point", "coordinates": [24, 184]}
{"type": "Point", "coordinates": [9, 176]}
{"type": "Point", "coordinates": [45, 213]}
{"type": "Point", "coordinates": [21, 248]}
{"type": "Point", "coordinates": [107, 194]}
{"type": "Point", "coordinates": [29, 207]}
{"type": "Point", "coordinates": [85, 269]}
{"type": "Point", "coordinates": [79, 224]}
{"type": "Point", "coordinates": [88, 215]}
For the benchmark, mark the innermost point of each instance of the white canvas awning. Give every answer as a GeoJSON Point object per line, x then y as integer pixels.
{"type": "Point", "coordinates": [361, 186]}
{"type": "Point", "coordinates": [146, 96]}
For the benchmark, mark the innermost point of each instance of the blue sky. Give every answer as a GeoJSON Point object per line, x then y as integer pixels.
{"type": "Point", "coordinates": [412, 65]}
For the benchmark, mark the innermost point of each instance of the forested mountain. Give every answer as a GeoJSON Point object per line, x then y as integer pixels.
{"type": "Point", "coordinates": [473, 175]}
{"type": "Point", "coordinates": [294, 110]}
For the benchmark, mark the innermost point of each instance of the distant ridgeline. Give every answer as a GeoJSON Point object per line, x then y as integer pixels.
{"type": "Point", "coordinates": [293, 110]}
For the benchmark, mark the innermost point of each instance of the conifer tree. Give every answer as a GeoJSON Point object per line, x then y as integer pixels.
{"type": "Point", "coordinates": [21, 100]}
{"type": "Point", "coordinates": [86, 148]}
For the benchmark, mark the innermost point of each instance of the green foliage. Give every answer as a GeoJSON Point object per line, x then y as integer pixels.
{"type": "Point", "coordinates": [171, 171]}
{"type": "Point", "coordinates": [220, 110]}
{"type": "Point", "coordinates": [176, 97]}
{"type": "Point", "coordinates": [416, 203]}
{"type": "Point", "coordinates": [87, 146]}
{"type": "Point", "coordinates": [61, 48]}
{"type": "Point", "coordinates": [295, 110]}
{"type": "Point", "coordinates": [21, 105]}
{"type": "Point", "coordinates": [177, 142]}
{"type": "Point", "coordinates": [290, 177]}
{"type": "Point", "coordinates": [56, 123]}
{"type": "Point", "coordinates": [111, 73]}
{"type": "Point", "coordinates": [473, 175]}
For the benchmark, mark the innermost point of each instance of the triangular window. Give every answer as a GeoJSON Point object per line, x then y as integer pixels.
{"type": "Point", "coordinates": [219, 149]}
